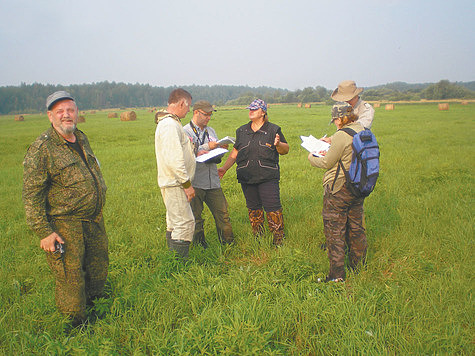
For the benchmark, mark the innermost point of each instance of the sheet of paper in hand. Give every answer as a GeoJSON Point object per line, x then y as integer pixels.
{"type": "Point", "coordinates": [314, 145]}
{"type": "Point", "coordinates": [227, 140]}
{"type": "Point", "coordinates": [217, 152]}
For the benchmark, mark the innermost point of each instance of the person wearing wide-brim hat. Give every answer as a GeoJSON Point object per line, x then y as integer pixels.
{"type": "Point", "coordinates": [348, 92]}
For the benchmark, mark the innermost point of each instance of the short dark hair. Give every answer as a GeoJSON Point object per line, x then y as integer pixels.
{"type": "Point", "coordinates": [177, 95]}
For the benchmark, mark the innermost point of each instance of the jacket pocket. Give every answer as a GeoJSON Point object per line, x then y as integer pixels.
{"type": "Point", "coordinates": [242, 172]}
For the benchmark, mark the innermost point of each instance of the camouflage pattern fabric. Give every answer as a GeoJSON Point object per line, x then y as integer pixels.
{"type": "Point", "coordinates": [256, 217]}
{"type": "Point", "coordinates": [80, 272]}
{"type": "Point", "coordinates": [57, 183]}
{"type": "Point", "coordinates": [275, 220]}
{"type": "Point", "coordinates": [343, 223]}
{"type": "Point", "coordinates": [63, 194]}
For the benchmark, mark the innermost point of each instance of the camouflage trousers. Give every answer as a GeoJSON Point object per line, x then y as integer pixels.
{"type": "Point", "coordinates": [81, 271]}
{"type": "Point", "coordinates": [343, 224]}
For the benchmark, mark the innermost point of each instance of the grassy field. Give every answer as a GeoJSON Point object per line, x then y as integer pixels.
{"type": "Point", "coordinates": [415, 296]}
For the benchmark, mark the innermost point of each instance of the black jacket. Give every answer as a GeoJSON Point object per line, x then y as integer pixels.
{"type": "Point", "coordinates": [257, 160]}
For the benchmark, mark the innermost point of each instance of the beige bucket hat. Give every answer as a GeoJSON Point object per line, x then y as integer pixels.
{"type": "Point", "coordinates": [346, 90]}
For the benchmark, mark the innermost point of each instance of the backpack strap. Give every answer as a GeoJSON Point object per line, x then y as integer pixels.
{"type": "Point", "coordinates": [337, 173]}
{"type": "Point", "coordinates": [352, 133]}
{"type": "Point", "coordinates": [349, 131]}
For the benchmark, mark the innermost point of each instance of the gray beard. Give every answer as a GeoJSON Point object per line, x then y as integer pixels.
{"type": "Point", "coordinates": [68, 130]}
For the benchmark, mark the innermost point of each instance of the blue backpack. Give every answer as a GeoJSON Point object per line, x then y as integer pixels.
{"type": "Point", "coordinates": [364, 168]}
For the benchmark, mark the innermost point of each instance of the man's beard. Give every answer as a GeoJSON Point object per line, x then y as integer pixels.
{"type": "Point", "coordinates": [67, 130]}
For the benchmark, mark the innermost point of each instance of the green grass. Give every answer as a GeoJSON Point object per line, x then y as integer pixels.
{"type": "Point", "coordinates": [414, 297]}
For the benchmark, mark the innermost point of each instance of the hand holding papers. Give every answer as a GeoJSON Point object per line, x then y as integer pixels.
{"type": "Point", "coordinates": [227, 140]}
{"type": "Point", "coordinates": [217, 152]}
{"type": "Point", "coordinates": [313, 145]}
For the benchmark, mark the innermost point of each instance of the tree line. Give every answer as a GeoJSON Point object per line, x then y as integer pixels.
{"type": "Point", "coordinates": [30, 98]}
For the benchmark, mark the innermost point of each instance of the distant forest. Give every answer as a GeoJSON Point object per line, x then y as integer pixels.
{"type": "Point", "coordinates": [30, 98]}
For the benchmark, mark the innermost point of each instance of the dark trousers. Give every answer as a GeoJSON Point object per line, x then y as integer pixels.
{"type": "Point", "coordinates": [81, 271]}
{"type": "Point", "coordinates": [343, 223]}
{"type": "Point", "coordinates": [217, 204]}
{"type": "Point", "coordinates": [263, 195]}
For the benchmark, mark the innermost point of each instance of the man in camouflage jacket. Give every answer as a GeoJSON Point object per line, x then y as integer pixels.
{"type": "Point", "coordinates": [63, 194]}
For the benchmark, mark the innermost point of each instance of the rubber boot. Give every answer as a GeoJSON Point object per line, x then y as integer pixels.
{"type": "Point", "coordinates": [199, 238]}
{"type": "Point", "coordinates": [181, 248]}
{"type": "Point", "coordinates": [276, 226]}
{"type": "Point", "coordinates": [169, 237]}
{"type": "Point", "coordinates": [256, 217]}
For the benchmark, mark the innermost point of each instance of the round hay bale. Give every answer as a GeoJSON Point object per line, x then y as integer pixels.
{"type": "Point", "coordinates": [299, 105]}
{"type": "Point", "coordinates": [389, 107]}
{"type": "Point", "coordinates": [377, 105]}
{"type": "Point", "coordinates": [112, 115]}
{"type": "Point", "coordinates": [81, 119]}
{"type": "Point", "coordinates": [93, 111]}
{"type": "Point", "coordinates": [465, 102]}
{"type": "Point", "coordinates": [19, 118]}
{"type": "Point", "coordinates": [444, 106]}
{"type": "Point", "coordinates": [307, 106]}
{"type": "Point", "coordinates": [128, 116]}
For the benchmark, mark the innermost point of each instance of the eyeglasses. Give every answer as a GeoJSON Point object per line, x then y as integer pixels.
{"type": "Point", "coordinates": [208, 114]}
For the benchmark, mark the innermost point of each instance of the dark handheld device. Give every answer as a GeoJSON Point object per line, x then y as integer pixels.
{"type": "Point", "coordinates": [58, 247]}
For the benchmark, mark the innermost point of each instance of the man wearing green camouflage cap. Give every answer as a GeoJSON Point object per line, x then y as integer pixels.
{"type": "Point", "coordinates": [64, 193]}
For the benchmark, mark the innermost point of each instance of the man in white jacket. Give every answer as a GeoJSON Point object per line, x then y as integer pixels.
{"type": "Point", "coordinates": [176, 168]}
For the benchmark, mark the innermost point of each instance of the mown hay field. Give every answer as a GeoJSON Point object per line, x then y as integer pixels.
{"type": "Point", "coordinates": [414, 297]}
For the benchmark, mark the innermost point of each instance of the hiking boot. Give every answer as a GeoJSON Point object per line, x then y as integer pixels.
{"type": "Point", "coordinates": [336, 280]}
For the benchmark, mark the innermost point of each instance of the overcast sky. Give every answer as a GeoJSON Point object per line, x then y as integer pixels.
{"type": "Point", "coordinates": [283, 44]}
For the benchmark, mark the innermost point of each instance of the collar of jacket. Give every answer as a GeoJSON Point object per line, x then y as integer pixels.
{"type": "Point", "coordinates": [59, 140]}
{"type": "Point", "coordinates": [160, 115]}
{"type": "Point", "coordinates": [263, 128]}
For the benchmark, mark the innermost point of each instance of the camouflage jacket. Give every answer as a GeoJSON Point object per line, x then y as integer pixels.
{"type": "Point", "coordinates": [57, 184]}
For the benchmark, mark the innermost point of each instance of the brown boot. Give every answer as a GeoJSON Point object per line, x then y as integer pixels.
{"type": "Point", "coordinates": [276, 225]}
{"type": "Point", "coordinates": [256, 217]}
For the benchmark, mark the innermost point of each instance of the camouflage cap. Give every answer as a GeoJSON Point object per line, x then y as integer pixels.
{"type": "Point", "coordinates": [341, 109]}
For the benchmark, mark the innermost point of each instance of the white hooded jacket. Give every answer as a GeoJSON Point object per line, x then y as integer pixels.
{"type": "Point", "coordinates": [174, 152]}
